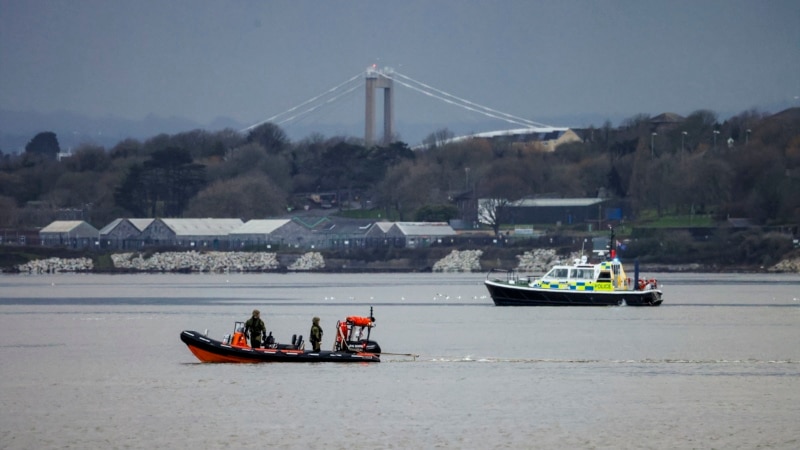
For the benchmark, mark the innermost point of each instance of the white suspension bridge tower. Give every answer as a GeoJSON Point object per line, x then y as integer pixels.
{"type": "Point", "coordinates": [374, 78]}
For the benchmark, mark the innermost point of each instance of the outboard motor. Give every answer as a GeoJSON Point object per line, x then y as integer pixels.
{"type": "Point", "coordinates": [269, 342]}
{"type": "Point", "coordinates": [366, 346]}
{"type": "Point", "coordinates": [363, 345]}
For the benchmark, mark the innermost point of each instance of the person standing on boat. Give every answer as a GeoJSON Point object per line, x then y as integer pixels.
{"type": "Point", "coordinates": [255, 329]}
{"type": "Point", "coordinates": [315, 335]}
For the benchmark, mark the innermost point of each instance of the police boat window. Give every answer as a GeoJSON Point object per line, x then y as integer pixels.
{"type": "Point", "coordinates": [584, 274]}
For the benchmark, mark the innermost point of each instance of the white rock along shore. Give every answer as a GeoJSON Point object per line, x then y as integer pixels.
{"type": "Point", "coordinates": [533, 261]}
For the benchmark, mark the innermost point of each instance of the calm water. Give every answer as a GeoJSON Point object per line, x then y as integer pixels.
{"type": "Point", "coordinates": [95, 361]}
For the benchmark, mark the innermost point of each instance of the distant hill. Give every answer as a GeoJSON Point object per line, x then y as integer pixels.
{"type": "Point", "coordinates": [18, 128]}
{"type": "Point", "coordinates": [787, 115]}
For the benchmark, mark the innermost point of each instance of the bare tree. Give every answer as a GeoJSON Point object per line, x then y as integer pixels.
{"type": "Point", "coordinates": [496, 194]}
{"type": "Point", "coordinates": [493, 212]}
{"type": "Point", "coordinates": [270, 136]}
{"type": "Point", "coordinates": [408, 187]}
{"type": "Point", "coordinates": [250, 197]}
{"type": "Point", "coordinates": [438, 138]}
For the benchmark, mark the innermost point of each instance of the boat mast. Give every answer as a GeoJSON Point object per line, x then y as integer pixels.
{"type": "Point", "coordinates": [612, 252]}
{"type": "Point", "coordinates": [372, 320]}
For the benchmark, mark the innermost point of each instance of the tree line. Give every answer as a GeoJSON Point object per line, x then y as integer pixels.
{"type": "Point", "coordinates": [745, 166]}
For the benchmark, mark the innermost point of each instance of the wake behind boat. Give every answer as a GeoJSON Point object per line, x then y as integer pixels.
{"type": "Point", "coordinates": [579, 284]}
{"type": "Point", "coordinates": [352, 344]}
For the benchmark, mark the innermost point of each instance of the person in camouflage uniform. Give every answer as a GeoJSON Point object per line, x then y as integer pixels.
{"type": "Point", "coordinates": [255, 329]}
{"type": "Point", "coordinates": [315, 335]}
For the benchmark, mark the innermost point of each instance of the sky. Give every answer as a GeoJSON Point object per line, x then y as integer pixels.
{"type": "Point", "coordinates": [545, 61]}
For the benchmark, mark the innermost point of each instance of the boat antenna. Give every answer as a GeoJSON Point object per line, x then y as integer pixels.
{"type": "Point", "coordinates": [369, 328]}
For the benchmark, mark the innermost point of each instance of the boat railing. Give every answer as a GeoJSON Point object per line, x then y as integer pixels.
{"type": "Point", "coordinates": [510, 276]}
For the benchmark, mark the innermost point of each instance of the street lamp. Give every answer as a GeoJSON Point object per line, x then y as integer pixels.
{"type": "Point", "coordinates": [716, 132]}
{"type": "Point", "coordinates": [683, 137]}
{"type": "Point", "coordinates": [652, 145]}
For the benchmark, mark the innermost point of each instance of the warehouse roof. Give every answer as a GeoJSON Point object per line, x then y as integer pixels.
{"type": "Point", "coordinates": [202, 227]}
{"type": "Point", "coordinates": [260, 226]}
{"type": "Point", "coordinates": [555, 202]}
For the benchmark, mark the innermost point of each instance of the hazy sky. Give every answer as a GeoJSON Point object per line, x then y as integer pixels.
{"type": "Point", "coordinates": [249, 60]}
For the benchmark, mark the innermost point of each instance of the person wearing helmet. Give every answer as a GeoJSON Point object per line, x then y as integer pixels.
{"type": "Point", "coordinates": [255, 329]}
{"type": "Point", "coordinates": [315, 335]}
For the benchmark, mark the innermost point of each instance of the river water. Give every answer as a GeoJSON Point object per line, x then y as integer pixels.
{"type": "Point", "coordinates": [95, 361]}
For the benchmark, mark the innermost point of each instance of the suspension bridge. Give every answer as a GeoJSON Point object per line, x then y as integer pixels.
{"type": "Point", "coordinates": [385, 79]}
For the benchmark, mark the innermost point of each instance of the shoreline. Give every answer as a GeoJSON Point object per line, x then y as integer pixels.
{"type": "Point", "coordinates": [533, 262]}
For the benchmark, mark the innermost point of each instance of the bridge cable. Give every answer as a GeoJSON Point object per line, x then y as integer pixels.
{"type": "Point", "coordinates": [313, 99]}
{"type": "Point", "coordinates": [314, 108]}
{"type": "Point", "coordinates": [446, 100]}
{"type": "Point", "coordinates": [530, 122]}
{"type": "Point", "coordinates": [340, 102]}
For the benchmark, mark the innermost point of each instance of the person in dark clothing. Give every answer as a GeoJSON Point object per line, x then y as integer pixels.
{"type": "Point", "coordinates": [255, 329]}
{"type": "Point", "coordinates": [315, 335]}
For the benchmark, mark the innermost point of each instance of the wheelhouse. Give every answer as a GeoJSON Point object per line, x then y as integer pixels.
{"type": "Point", "coordinates": [608, 275]}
